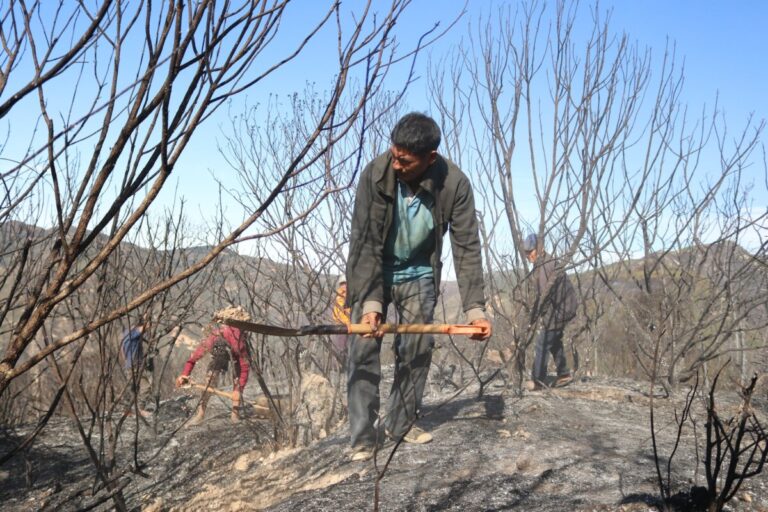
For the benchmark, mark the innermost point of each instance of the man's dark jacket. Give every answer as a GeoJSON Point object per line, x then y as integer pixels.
{"type": "Point", "coordinates": [556, 301]}
{"type": "Point", "coordinates": [453, 210]}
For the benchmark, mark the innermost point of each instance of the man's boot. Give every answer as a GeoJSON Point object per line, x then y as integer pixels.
{"type": "Point", "coordinates": [200, 415]}
{"type": "Point", "coordinates": [197, 418]}
{"type": "Point", "coordinates": [235, 417]}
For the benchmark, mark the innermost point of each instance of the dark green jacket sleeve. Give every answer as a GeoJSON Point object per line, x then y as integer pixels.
{"type": "Point", "coordinates": [467, 256]}
{"type": "Point", "coordinates": [366, 244]}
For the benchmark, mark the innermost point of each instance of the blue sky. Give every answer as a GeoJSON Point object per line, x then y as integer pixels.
{"type": "Point", "coordinates": [721, 44]}
{"type": "Point", "coordinates": [724, 45]}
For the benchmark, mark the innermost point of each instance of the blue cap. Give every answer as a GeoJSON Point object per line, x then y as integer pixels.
{"type": "Point", "coordinates": [530, 242]}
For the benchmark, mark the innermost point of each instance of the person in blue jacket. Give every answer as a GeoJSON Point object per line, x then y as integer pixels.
{"type": "Point", "coordinates": [139, 367]}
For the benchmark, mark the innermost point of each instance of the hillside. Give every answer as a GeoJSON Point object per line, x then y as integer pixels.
{"type": "Point", "coordinates": [585, 447]}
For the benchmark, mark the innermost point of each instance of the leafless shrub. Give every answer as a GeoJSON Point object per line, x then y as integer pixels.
{"type": "Point", "coordinates": [98, 165]}
{"type": "Point", "coordinates": [734, 450]}
{"type": "Point", "coordinates": [609, 170]}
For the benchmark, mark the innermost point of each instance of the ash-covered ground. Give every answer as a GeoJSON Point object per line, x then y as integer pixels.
{"type": "Point", "coordinates": [584, 447]}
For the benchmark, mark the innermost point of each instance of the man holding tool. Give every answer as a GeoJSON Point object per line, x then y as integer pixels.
{"type": "Point", "coordinates": [225, 344]}
{"type": "Point", "coordinates": [407, 199]}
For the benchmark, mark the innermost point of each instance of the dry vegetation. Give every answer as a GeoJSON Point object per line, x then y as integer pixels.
{"type": "Point", "coordinates": [649, 212]}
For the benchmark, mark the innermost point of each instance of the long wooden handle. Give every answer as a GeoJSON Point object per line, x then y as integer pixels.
{"type": "Point", "coordinates": [261, 409]}
{"type": "Point", "coordinates": [210, 389]}
{"type": "Point", "coordinates": [458, 329]}
{"type": "Point", "coordinates": [274, 330]}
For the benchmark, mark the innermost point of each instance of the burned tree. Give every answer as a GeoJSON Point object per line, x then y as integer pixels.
{"type": "Point", "coordinates": [589, 144]}
{"type": "Point", "coordinates": [116, 93]}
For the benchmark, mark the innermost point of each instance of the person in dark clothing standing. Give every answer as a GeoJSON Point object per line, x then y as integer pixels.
{"type": "Point", "coordinates": [555, 305]}
{"type": "Point", "coordinates": [138, 365]}
{"type": "Point", "coordinates": [407, 199]}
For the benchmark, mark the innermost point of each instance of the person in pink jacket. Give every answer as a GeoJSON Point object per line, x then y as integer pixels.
{"type": "Point", "coordinates": [226, 344]}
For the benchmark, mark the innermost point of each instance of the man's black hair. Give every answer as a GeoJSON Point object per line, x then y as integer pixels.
{"type": "Point", "coordinates": [417, 133]}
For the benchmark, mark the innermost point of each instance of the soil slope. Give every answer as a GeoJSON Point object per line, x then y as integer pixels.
{"type": "Point", "coordinates": [584, 447]}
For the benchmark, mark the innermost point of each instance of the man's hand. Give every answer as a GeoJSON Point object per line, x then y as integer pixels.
{"type": "Point", "coordinates": [236, 398]}
{"type": "Point", "coordinates": [487, 330]}
{"type": "Point", "coordinates": [374, 320]}
{"type": "Point", "coordinates": [182, 380]}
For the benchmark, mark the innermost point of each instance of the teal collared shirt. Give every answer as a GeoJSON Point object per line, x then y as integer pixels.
{"type": "Point", "coordinates": [411, 237]}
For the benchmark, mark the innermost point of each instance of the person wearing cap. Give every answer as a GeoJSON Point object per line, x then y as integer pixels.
{"type": "Point", "coordinates": [341, 314]}
{"type": "Point", "coordinates": [138, 365]}
{"type": "Point", "coordinates": [407, 200]}
{"type": "Point", "coordinates": [340, 310]}
{"type": "Point", "coordinates": [554, 306]}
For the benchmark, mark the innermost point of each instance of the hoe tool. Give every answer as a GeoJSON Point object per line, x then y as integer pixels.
{"type": "Point", "coordinates": [274, 330]}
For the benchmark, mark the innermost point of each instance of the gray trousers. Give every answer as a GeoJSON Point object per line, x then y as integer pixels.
{"type": "Point", "coordinates": [549, 342]}
{"type": "Point", "coordinates": [414, 302]}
